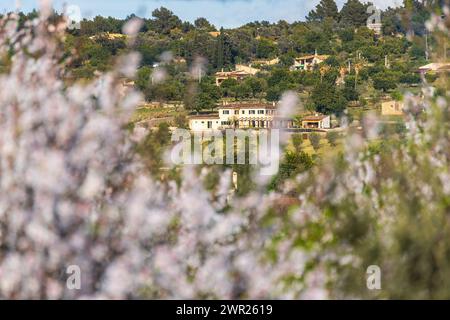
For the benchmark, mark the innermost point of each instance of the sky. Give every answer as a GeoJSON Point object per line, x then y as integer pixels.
{"type": "Point", "coordinates": [221, 13]}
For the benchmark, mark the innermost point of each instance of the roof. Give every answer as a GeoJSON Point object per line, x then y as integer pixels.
{"type": "Point", "coordinates": [266, 61]}
{"type": "Point", "coordinates": [248, 106]}
{"type": "Point", "coordinates": [214, 34]}
{"type": "Point", "coordinates": [312, 56]}
{"type": "Point", "coordinates": [231, 73]}
{"type": "Point", "coordinates": [314, 118]}
{"type": "Point", "coordinates": [391, 101]}
{"type": "Point", "coordinates": [205, 116]}
{"type": "Point", "coordinates": [435, 66]}
{"type": "Point", "coordinates": [108, 35]}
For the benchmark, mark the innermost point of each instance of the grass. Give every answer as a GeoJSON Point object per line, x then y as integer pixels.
{"type": "Point", "coordinates": [392, 118]}
{"type": "Point", "coordinates": [147, 113]}
{"type": "Point", "coordinates": [325, 150]}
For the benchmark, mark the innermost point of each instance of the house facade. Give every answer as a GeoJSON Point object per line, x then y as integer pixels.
{"type": "Point", "coordinates": [266, 62]}
{"type": "Point", "coordinates": [316, 122]}
{"type": "Point", "coordinates": [435, 67]}
{"type": "Point", "coordinates": [221, 76]}
{"type": "Point", "coordinates": [241, 116]}
{"type": "Point", "coordinates": [307, 63]}
{"type": "Point", "coordinates": [392, 108]}
{"type": "Point", "coordinates": [376, 27]}
{"type": "Point", "coordinates": [249, 69]}
{"type": "Point", "coordinates": [241, 72]}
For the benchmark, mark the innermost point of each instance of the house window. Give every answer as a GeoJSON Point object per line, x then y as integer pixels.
{"type": "Point", "coordinates": [226, 123]}
{"type": "Point", "coordinates": [251, 112]}
{"type": "Point", "coordinates": [243, 111]}
{"type": "Point", "coordinates": [226, 112]}
{"type": "Point", "coordinates": [260, 111]}
{"type": "Point", "coordinates": [209, 124]}
{"type": "Point", "coordinates": [236, 111]}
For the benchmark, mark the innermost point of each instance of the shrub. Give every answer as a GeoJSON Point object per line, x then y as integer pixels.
{"type": "Point", "coordinates": [332, 137]}
{"type": "Point", "coordinates": [314, 139]}
{"type": "Point", "coordinates": [297, 141]}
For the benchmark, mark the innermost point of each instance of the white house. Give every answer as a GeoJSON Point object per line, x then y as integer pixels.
{"type": "Point", "coordinates": [435, 67]}
{"type": "Point", "coordinates": [316, 122]}
{"type": "Point", "coordinates": [241, 72]}
{"type": "Point", "coordinates": [308, 62]}
{"type": "Point", "coordinates": [376, 27]}
{"type": "Point", "coordinates": [241, 116]}
{"type": "Point", "coordinates": [392, 108]}
{"type": "Point", "coordinates": [204, 122]}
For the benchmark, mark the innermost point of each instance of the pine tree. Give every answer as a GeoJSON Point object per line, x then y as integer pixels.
{"type": "Point", "coordinates": [354, 14]}
{"type": "Point", "coordinates": [220, 50]}
{"type": "Point", "coordinates": [325, 9]}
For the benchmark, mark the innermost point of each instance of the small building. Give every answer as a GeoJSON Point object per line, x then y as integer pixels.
{"type": "Point", "coordinates": [392, 108]}
{"type": "Point", "coordinates": [179, 60]}
{"type": "Point", "coordinates": [308, 62]}
{"type": "Point", "coordinates": [204, 122]}
{"type": "Point", "coordinates": [435, 67]}
{"type": "Point", "coordinates": [241, 116]}
{"type": "Point", "coordinates": [266, 62]}
{"type": "Point", "coordinates": [316, 122]}
{"type": "Point", "coordinates": [241, 72]}
{"type": "Point", "coordinates": [109, 36]}
{"type": "Point", "coordinates": [221, 76]}
{"type": "Point", "coordinates": [249, 69]}
{"type": "Point", "coordinates": [376, 27]}
{"type": "Point", "coordinates": [214, 34]}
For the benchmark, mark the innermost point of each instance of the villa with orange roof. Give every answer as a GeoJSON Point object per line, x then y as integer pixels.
{"type": "Point", "coordinates": [241, 116]}
{"type": "Point", "coordinates": [241, 72]}
{"type": "Point", "coordinates": [316, 122]}
{"type": "Point", "coordinates": [308, 62]}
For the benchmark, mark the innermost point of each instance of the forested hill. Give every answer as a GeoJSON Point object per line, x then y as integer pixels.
{"type": "Point", "coordinates": [384, 60]}
{"type": "Point", "coordinates": [325, 29]}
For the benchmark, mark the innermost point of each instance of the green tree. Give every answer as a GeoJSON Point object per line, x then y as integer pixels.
{"type": "Point", "coordinates": [332, 137]}
{"type": "Point", "coordinates": [223, 55]}
{"type": "Point", "coordinates": [243, 91]}
{"type": "Point", "coordinates": [314, 139]}
{"type": "Point", "coordinates": [143, 78]}
{"type": "Point", "coordinates": [327, 99]}
{"type": "Point", "coordinates": [386, 80]}
{"type": "Point", "coordinates": [349, 91]}
{"type": "Point", "coordinates": [164, 20]}
{"type": "Point", "coordinates": [152, 148]}
{"type": "Point", "coordinates": [353, 14]}
{"type": "Point", "coordinates": [204, 24]}
{"type": "Point", "coordinates": [325, 9]}
{"type": "Point", "coordinates": [265, 48]}
{"type": "Point", "coordinates": [257, 86]}
{"type": "Point", "coordinates": [297, 141]}
{"type": "Point", "coordinates": [208, 95]}
{"type": "Point", "coordinates": [293, 163]}
{"type": "Point", "coordinates": [228, 87]}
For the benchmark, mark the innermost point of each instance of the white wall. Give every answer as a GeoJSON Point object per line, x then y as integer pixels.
{"type": "Point", "coordinates": [202, 124]}
{"type": "Point", "coordinates": [240, 115]}
{"type": "Point", "coordinates": [326, 123]}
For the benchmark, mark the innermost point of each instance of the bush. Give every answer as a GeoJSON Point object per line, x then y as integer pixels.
{"type": "Point", "coordinates": [332, 137]}
{"type": "Point", "coordinates": [314, 139]}
{"type": "Point", "coordinates": [297, 141]}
